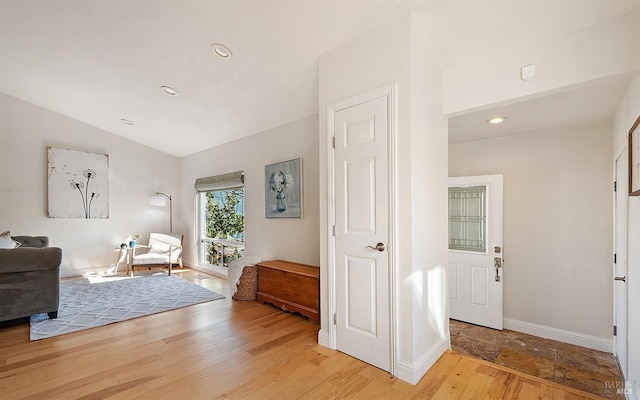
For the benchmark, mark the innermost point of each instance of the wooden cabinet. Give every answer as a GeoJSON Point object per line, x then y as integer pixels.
{"type": "Point", "coordinates": [290, 287]}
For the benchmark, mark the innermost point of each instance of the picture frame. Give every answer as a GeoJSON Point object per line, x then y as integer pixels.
{"type": "Point", "coordinates": [283, 192]}
{"type": "Point", "coordinates": [634, 158]}
{"type": "Point", "coordinates": [78, 184]}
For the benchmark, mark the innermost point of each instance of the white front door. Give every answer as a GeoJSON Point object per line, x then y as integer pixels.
{"type": "Point", "coordinates": [475, 250]}
{"type": "Point", "coordinates": [620, 266]}
{"type": "Point", "coordinates": [362, 277]}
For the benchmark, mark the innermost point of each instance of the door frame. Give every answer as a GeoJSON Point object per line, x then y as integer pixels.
{"type": "Point", "coordinates": [388, 91]}
{"type": "Point", "coordinates": [495, 228]}
{"type": "Point", "coordinates": [624, 241]}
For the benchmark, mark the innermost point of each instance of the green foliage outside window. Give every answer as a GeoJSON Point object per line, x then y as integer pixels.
{"type": "Point", "coordinates": [224, 220]}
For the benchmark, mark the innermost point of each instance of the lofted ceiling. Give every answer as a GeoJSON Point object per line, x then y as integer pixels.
{"type": "Point", "coordinates": [101, 61]}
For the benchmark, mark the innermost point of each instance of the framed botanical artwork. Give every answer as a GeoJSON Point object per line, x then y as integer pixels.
{"type": "Point", "coordinates": [283, 189]}
{"type": "Point", "coordinates": [634, 159]}
{"type": "Point", "coordinates": [78, 184]}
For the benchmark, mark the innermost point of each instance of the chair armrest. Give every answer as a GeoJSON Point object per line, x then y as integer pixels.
{"type": "Point", "coordinates": [172, 248]}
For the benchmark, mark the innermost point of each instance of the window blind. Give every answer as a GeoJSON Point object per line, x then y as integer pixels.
{"type": "Point", "coordinates": [220, 182]}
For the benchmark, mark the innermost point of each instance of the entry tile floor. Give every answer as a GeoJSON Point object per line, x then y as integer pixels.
{"type": "Point", "coordinates": [581, 368]}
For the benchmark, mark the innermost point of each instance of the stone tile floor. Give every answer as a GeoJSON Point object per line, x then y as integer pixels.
{"type": "Point", "coordinates": [578, 367]}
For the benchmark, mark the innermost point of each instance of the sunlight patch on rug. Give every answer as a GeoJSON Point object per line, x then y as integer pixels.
{"type": "Point", "coordinates": [88, 304]}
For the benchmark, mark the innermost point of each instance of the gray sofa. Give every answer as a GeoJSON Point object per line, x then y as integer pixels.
{"type": "Point", "coordinates": [29, 278]}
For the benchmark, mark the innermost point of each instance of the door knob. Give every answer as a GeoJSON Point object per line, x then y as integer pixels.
{"type": "Point", "coordinates": [620, 278]}
{"type": "Point", "coordinates": [379, 246]}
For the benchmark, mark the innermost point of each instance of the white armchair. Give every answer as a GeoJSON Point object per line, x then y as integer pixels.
{"type": "Point", "coordinates": [163, 250]}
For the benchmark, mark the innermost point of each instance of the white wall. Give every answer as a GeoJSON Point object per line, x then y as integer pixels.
{"type": "Point", "coordinates": [342, 75]}
{"type": "Point", "coordinates": [592, 53]}
{"type": "Point", "coordinates": [291, 239]}
{"type": "Point", "coordinates": [398, 53]}
{"type": "Point", "coordinates": [135, 172]}
{"type": "Point", "coordinates": [429, 204]}
{"type": "Point", "coordinates": [557, 228]}
{"type": "Point", "coordinates": [627, 114]}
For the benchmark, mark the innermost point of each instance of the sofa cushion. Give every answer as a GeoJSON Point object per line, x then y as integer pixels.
{"type": "Point", "coordinates": [150, 259]}
{"type": "Point", "coordinates": [32, 241]}
{"type": "Point", "coordinates": [6, 242]}
{"type": "Point", "coordinates": [29, 259]}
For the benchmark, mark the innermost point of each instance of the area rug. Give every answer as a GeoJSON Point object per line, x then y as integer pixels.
{"type": "Point", "coordinates": [88, 303]}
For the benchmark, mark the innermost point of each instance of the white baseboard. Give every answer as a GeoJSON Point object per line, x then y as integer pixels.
{"type": "Point", "coordinates": [220, 272]}
{"type": "Point", "coordinates": [412, 372]}
{"type": "Point", "coordinates": [547, 332]}
{"type": "Point", "coordinates": [323, 338]}
{"type": "Point", "coordinates": [408, 372]}
{"type": "Point", "coordinates": [89, 271]}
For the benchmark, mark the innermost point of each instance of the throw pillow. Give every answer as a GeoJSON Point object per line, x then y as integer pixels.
{"type": "Point", "coordinates": [6, 242]}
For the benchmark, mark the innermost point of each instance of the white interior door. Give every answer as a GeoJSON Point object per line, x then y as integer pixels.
{"type": "Point", "coordinates": [361, 231]}
{"type": "Point", "coordinates": [475, 250]}
{"type": "Point", "coordinates": [620, 266]}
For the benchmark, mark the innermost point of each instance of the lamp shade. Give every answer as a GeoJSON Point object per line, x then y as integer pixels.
{"type": "Point", "coordinates": [159, 201]}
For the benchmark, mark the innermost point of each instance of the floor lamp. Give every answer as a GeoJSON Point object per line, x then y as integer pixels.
{"type": "Point", "coordinates": [159, 201]}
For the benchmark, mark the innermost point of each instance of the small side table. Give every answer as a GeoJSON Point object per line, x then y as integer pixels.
{"type": "Point", "coordinates": [130, 261]}
{"type": "Point", "coordinates": [127, 252]}
{"type": "Point", "coordinates": [122, 251]}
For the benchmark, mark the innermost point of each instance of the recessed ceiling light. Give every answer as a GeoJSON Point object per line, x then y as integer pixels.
{"type": "Point", "coordinates": [221, 51]}
{"type": "Point", "coordinates": [126, 121]}
{"type": "Point", "coordinates": [169, 90]}
{"type": "Point", "coordinates": [496, 120]}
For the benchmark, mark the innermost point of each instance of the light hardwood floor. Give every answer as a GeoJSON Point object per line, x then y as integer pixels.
{"type": "Point", "coordinates": [231, 350]}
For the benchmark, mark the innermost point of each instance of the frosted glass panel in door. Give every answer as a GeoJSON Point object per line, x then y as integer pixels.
{"type": "Point", "coordinates": [468, 218]}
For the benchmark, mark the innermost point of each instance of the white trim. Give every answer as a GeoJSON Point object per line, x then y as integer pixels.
{"type": "Point", "coordinates": [388, 91]}
{"type": "Point", "coordinates": [220, 272]}
{"type": "Point", "coordinates": [393, 193]}
{"type": "Point", "coordinates": [412, 372]}
{"type": "Point", "coordinates": [624, 241]}
{"type": "Point", "coordinates": [323, 338]}
{"type": "Point", "coordinates": [547, 332]}
{"type": "Point", "coordinates": [331, 295]}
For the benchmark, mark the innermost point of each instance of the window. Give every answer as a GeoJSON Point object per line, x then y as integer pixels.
{"type": "Point", "coordinates": [220, 219]}
{"type": "Point", "coordinates": [468, 218]}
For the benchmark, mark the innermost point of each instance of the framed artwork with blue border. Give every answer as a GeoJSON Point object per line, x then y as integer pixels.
{"type": "Point", "coordinates": [283, 189]}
